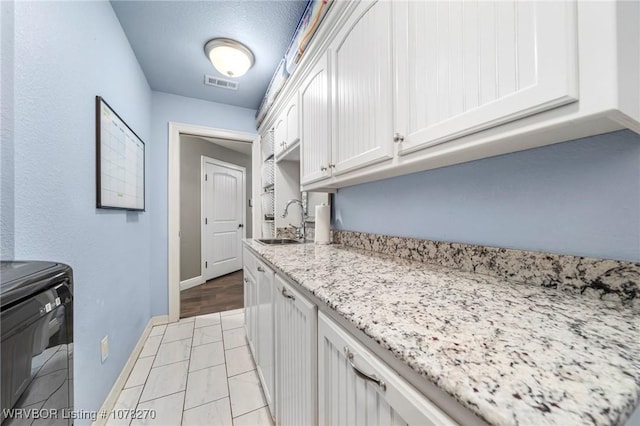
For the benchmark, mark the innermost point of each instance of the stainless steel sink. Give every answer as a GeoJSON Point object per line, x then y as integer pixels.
{"type": "Point", "coordinates": [278, 241]}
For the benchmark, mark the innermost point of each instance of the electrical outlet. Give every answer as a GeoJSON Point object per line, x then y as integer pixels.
{"type": "Point", "coordinates": [104, 348]}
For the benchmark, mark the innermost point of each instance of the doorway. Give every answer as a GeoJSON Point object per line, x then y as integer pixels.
{"type": "Point", "coordinates": [176, 132]}
{"type": "Point", "coordinates": [224, 293]}
{"type": "Point", "coordinates": [224, 216]}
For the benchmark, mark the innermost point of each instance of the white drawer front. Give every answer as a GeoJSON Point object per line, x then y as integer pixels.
{"type": "Point", "coordinates": [346, 396]}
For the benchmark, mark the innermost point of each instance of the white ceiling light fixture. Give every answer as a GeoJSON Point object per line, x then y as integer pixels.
{"type": "Point", "coordinates": [229, 57]}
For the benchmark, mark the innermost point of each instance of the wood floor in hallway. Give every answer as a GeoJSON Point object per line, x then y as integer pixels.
{"type": "Point", "coordinates": [220, 294]}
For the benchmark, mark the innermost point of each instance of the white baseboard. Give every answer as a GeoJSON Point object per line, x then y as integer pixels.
{"type": "Point", "coordinates": [110, 402]}
{"type": "Point", "coordinates": [191, 282]}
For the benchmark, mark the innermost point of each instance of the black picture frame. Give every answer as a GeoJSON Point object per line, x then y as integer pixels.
{"type": "Point", "coordinates": [126, 142]}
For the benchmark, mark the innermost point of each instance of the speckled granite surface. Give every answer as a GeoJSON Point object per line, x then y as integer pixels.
{"type": "Point", "coordinates": [514, 354]}
{"type": "Point", "coordinates": [600, 278]}
{"type": "Point", "coordinates": [289, 232]}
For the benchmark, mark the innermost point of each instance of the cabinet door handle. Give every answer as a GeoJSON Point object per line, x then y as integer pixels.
{"type": "Point", "coordinates": [397, 137]}
{"type": "Point", "coordinates": [246, 280]}
{"type": "Point", "coordinates": [323, 169]}
{"type": "Point", "coordinates": [260, 269]}
{"type": "Point", "coordinates": [332, 166]}
{"type": "Point", "coordinates": [371, 377]}
{"type": "Point", "coordinates": [287, 295]}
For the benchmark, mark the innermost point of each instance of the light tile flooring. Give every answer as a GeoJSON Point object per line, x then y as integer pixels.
{"type": "Point", "coordinates": [198, 371]}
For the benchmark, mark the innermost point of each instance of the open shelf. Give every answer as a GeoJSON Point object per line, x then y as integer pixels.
{"type": "Point", "coordinates": [292, 153]}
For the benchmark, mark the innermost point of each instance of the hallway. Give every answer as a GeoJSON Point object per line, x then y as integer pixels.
{"type": "Point", "coordinates": [224, 293]}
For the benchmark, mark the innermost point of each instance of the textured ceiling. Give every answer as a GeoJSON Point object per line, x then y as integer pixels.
{"type": "Point", "coordinates": [168, 39]}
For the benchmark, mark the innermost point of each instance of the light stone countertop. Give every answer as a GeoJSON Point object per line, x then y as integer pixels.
{"type": "Point", "coordinates": [514, 354]}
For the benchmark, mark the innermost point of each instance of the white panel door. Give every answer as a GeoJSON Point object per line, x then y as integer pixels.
{"type": "Point", "coordinates": [356, 388]}
{"type": "Point", "coordinates": [223, 218]}
{"type": "Point", "coordinates": [315, 134]}
{"type": "Point", "coordinates": [296, 322]}
{"type": "Point", "coordinates": [362, 79]}
{"type": "Point", "coordinates": [465, 66]}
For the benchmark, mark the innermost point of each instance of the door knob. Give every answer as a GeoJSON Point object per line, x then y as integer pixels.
{"type": "Point", "coordinates": [240, 226]}
{"type": "Point", "coordinates": [397, 137]}
{"type": "Point", "coordinates": [323, 168]}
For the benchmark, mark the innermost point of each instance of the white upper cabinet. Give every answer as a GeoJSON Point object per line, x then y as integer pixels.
{"type": "Point", "coordinates": [279, 134]}
{"type": "Point", "coordinates": [362, 86]}
{"type": "Point", "coordinates": [291, 116]}
{"type": "Point", "coordinates": [315, 132]}
{"type": "Point", "coordinates": [467, 66]}
{"type": "Point", "coordinates": [286, 127]}
{"type": "Point", "coordinates": [397, 87]}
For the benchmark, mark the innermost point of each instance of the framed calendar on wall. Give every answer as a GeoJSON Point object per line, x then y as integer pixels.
{"type": "Point", "coordinates": [120, 182]}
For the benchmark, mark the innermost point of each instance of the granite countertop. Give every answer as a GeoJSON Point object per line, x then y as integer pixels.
{"type": "Point", "coordinates": [511, 353]}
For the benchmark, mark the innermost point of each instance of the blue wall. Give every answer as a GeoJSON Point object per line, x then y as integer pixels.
{"type": "Point", "coordinates": [580, 197]}
{"type": "Point", "coordinates": [7, 76]}
{"type": "Point", "coordinates": [172, 108]}
{"type": "Point", "coordinates": [66, 53]}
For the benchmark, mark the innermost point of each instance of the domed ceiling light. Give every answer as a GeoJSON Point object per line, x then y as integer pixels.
{"type": "Point", "coordinates": [229, 57]}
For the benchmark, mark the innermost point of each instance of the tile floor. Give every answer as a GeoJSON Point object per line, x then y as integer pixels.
{"type": "Point", "coordinates": [198, 371]}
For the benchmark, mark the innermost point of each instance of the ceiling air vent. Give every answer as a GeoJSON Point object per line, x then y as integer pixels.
{"type": "Point", "coordinates": [220, 82]}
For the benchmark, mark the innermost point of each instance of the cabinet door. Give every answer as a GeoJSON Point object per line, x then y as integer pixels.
{"type": "Point", "coordinates": [347, 396]}
{"type": "Point", "coordinates": [315, 134]}
{"type": "Point", "coordinates": [250, 309]}
{"type": "Point", "coordinates": [280, 134]}
{"type": "Point", "coordinates": [291, 114]}
{"type": "Point", "coordinates": [296, 322]}
{"type": "Point", "coordinates": [362, 80]}
{"type": "Point", "coordinates": [467, 66]}
{"type": "Point", "coordinates": [265, 360]}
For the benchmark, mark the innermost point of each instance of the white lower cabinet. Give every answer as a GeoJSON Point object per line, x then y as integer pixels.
{"type": "Point", "coordinates": [250, 309]}
{"type": "Point", "coordinates": [296, 323]}
{"type": "Point", "coordinates": [265, 360]}
{"type": "Point", "coordinates": [314, 372]}
{"type": "Point", "coordinates": [355, 387]}
{"type": "Point", "coordinates": [258, 312]}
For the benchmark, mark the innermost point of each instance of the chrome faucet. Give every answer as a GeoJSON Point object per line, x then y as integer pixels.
{"type": "Point", "coordinates": [301, 231]}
